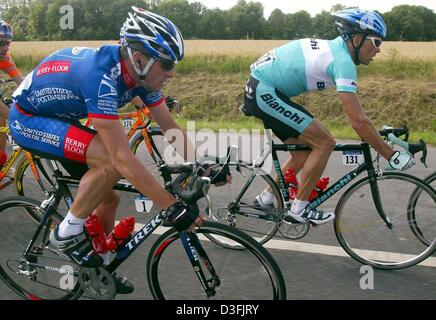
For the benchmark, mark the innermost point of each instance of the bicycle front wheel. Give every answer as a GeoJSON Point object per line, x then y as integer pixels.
{"type": "Point", "coordinates": [234, 204]}
{"type": "Point", "coordinates": [43, 273]}
{"type": "Point", "coordinates": [250, 274]}
{"type": "Point", "coordinates": [366, 237]}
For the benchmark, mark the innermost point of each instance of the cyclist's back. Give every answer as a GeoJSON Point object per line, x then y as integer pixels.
{"type": "Point", "coordinates": [307, 64]}
{"type": "Point", "coordinates": [80, 82]}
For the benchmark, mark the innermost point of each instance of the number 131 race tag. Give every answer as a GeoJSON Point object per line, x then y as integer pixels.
{"type": "Point", "coordinates": [352, 158]}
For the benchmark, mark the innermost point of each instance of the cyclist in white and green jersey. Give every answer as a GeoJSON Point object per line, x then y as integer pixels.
{"type": "Point", "coordinates": [312, 64]}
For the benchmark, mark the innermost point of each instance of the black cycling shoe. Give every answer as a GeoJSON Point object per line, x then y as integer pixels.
{"type": "Point", "coordinates": [123, 285]}
{"type": "Point", "coordinates": [78, 248]}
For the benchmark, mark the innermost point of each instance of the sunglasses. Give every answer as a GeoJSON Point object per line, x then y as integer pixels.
{"type": "Point", "coordinates": [376, 42]}
{"type": "Point", "coordinates": [4, 43]}
{"type": "Point", "coordinates": [167, 65]}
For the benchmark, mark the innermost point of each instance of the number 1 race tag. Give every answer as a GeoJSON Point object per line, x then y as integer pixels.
{"type": "Point", "coordinates": [352, 158]}
{"type": "Point", "coordinates": [143, 204]}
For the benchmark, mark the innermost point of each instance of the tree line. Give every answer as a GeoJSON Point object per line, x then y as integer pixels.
{"type": "Point", "coordinates": [40, 20]}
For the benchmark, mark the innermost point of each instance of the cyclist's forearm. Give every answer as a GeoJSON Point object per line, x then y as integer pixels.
{"type": "Point", "coordinates": [133, 170]}
{"type": "Point", "coordinates": [366, 130]}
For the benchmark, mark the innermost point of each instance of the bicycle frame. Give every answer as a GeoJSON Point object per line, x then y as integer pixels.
{"type": "Point", "coordinates": [335, 187]}
{"type": "Point", "coordinates": [189, 240]}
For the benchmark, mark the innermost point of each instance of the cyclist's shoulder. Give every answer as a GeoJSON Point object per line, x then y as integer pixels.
{"type": "Point", "coordinates": [7, 61]}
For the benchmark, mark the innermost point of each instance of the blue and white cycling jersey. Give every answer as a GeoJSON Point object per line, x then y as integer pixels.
{"type": "Point", "coordinates": [307, 64]}
{"type": "Point", "coordinates": [76, 83]}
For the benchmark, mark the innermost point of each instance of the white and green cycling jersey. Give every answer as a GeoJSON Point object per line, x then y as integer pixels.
{"type": "Point", "coordinates": [307, 64]}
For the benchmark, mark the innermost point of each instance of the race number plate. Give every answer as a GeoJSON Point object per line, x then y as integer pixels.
{"type": "Point", "coordinates": [143, 204]}
{"type": "Point", "coordinates": [352, 158]}
{"type": "Point", "coordinates": [127, 122]}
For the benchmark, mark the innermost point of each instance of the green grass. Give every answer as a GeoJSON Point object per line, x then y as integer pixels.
{"type": "Point", "coordinates": [395, 91]}
{"type": "Point", "coordinates": [395, 66]}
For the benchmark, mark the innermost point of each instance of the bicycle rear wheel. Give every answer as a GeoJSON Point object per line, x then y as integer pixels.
{"type": "Point", "coordinates": [250, 274]}
{"type": "Point", "coordinates": [260, 223]}
{"type": "Point", "coordinates": [29, 185]}
{"type": "Point", "coordinates": [368, 239]}
{"type": "Point", "coordinates": [43, 273]}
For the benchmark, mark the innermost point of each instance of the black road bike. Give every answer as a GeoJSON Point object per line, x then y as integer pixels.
{"type": "Point", "coordinates": [180, 265]}
{"type": "Point", "coordinates": [386, 219]}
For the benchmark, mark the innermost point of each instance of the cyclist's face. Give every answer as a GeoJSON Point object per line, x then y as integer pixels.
{"type": "Point", "coordinates": [4, 46]}
{"type": "Point", "coordinates": [369, 50]}
{"type": "Point", "coordinates": [159, 75]}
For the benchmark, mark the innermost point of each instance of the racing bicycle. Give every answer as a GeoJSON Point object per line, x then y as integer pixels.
{"type": "Point", "coordinates": [180, 265]}
{"type": "Point", "coordinates": [386, 219]}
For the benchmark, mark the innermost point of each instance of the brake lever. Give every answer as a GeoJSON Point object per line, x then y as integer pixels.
{"type": "Point", "coordinates": [423, 158]}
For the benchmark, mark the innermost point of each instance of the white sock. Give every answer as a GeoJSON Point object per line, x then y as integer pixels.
{"type": "Point", "coordinates": [71, 226]}
{"type": "Point", "coordinates": [106, 258]}
{"type": "Point", "coordinates": [267, 197]}
{"type": "Point", "coordinates": [298, 206]}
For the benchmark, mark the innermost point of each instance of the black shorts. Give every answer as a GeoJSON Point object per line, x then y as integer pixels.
{"type": "Point", "coordinates": [285, 118]}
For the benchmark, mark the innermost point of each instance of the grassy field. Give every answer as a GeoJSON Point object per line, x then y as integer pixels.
{"type": "Point", "coordinates": [398, 88]}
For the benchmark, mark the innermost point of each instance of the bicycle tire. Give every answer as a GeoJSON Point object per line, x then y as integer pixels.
{"type": "Point", "coordinates": [419, 229]}
{"type": "Point", "coordinates": [161, 150]}
{"type": "Point", "coordinates": [42, 281]}
{"type": "Point", "coordinates": [381, 247]}
{"type": "Point", "coordinates": [23, 172]}
{"type": "Point", "coordinates": [244, 274]}
{"type": "Point", "coordinates": [260, 223]}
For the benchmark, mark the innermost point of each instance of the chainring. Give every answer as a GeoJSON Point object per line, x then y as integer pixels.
{"type": "Point", "coordinates": [97, 283]}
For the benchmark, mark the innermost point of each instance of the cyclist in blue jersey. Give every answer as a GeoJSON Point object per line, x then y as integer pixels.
{"type": "Point", "coordinates": [312, 64]}
{"type": "Point", "coordinates": [75, 83]}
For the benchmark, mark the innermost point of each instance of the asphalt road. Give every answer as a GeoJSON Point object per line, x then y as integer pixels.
{"type": "Point", "coordinates": [309, 275]}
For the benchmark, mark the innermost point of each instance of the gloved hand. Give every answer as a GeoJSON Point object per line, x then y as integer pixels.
{"type": "Point", "coordinates": [218, 175]}
{"type": "Point", "coordinates": [401, 161]}
{"type": "Point", "coordinates": [181, 215]}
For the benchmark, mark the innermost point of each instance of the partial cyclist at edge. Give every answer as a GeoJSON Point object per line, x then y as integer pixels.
{"type": "Point", "coordinates": [76, 83]}
{"type": "Point", "coordinates": [7, 65]}
{"type": "Point", "coordinates": [312, 64]}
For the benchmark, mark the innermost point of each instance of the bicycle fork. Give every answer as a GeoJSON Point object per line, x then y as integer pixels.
{"type": "Point", "coordinates": [195, 250]}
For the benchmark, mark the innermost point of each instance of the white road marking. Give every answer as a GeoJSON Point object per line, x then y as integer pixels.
{"type": "Point", "coordinates": [336, 251]}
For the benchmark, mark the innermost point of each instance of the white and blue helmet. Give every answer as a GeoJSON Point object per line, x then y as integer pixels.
{"type": "Point", "coordinates": [5, 30]}
{"type": "Point", "coordinates": [153, 35]}
{"type": "Point", "coordinates": [351, 21]}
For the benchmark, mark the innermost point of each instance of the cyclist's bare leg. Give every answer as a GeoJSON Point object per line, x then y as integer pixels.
{"type": "Point", "coordinates": [295, 161]}
{"type": "Point", "coordinates": [96, 185]}
{"type": "Point", "coordinates": [322, 145]}
{"type": "Point", "coordinates": [106, 211]}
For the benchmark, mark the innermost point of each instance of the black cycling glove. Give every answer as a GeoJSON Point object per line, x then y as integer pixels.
{"type": "Point", "coordinates": [217, 175]}
{"type": "Point", "coordinates": [181, 215]}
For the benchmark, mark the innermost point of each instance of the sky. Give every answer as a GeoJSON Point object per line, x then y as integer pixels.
{"type": "Point", "coordinates": [316, 6]}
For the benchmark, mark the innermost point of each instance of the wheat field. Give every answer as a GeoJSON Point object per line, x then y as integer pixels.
{"type": "Point", "coordinates": [412, 50]}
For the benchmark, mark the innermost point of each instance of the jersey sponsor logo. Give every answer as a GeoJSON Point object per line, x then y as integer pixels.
{"type": "Point", "coordinates": [342, 82]}
{"type": "Point", "coordinates": [17, 126]}
{"type": "Point", "coordinates": [107, 88]}
{"type": "Point", "coordinates": [314, 44]}
{"type": "Point", "coordinates": [53, 67]}
{"type": "Point", "coordinates": [76, 143]}
{"type": "Point", "coordinates": [320, 85]}
{"type": "Point", "coordinates": [272, 103]}
{"type": "Point", "coordinates": [49, 94]}
{"type": "Point", "coordinates": [36, 135]}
